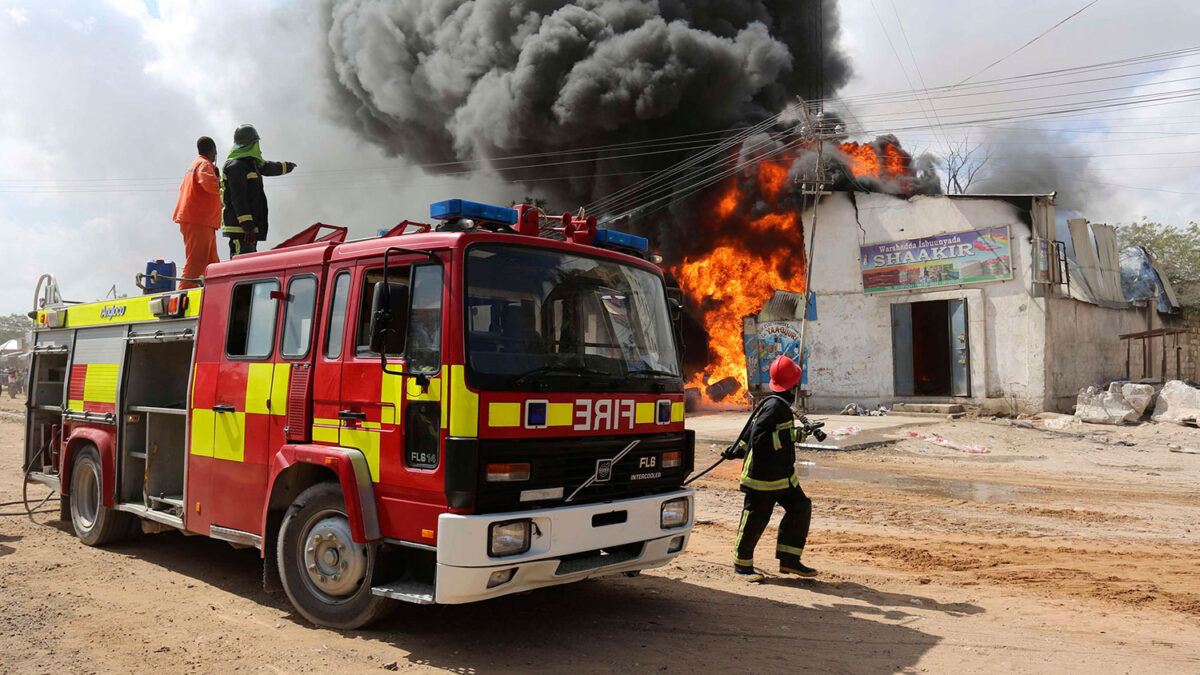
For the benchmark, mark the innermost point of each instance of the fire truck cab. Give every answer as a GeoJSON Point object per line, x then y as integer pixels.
{"type": "Point", "coordinates": [436, 415]}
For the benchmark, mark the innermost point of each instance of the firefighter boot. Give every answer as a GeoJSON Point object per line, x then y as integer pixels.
{"type": "Point", "coordinates": [792, 565]}
{"type": "Point", "coordinates": [747, 573]}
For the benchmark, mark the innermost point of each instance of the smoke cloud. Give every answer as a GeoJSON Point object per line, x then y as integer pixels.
{"type": "Point", "coordinates": [440, 82]}
{"type": "Point", "coordinates": [1036, 161]}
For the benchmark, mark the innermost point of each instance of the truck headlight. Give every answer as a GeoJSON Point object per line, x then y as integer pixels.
{"type": "Point", "coordinates": [508, 538]}
{"type": "Point", "coordinates": [674, 513]}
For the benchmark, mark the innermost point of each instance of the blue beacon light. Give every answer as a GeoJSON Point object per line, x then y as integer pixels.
{"type": "Point", "coordinates": [461, 208]}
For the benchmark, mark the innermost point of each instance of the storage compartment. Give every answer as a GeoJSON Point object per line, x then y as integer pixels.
{"type": "Point", "coordinates": [43, 441]}
{"type": "Point", "coordinates": [158, 374]}
{"type": "Point", "coordinates": [163, 484]}
{"type": "Point", "coordinates": [154, 427]}
{"type": "Point", "coordinates": [48, 376]}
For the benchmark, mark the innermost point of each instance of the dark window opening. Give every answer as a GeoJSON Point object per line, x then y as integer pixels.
{"type": "Point", "coordinates": [251, 330]}
{"type": "Point", "coordinates": [422, 431]}
{"type": "Point", "coordinates": [337, 316]}
{"type": "Point", "coordinates": [298, 314]}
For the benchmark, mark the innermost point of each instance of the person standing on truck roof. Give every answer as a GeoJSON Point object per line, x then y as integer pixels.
{"type": "Point", "coordinates": [245, 214]}
{"type": "Point", "coordinates": [198, 212]}
{"type": "Point", "coordinates": [768, 442]}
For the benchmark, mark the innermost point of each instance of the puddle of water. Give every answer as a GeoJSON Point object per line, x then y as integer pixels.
{"type": "Point", "coordinates": [976, 491]}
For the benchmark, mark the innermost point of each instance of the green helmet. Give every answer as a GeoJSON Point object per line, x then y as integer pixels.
{"type": "Point", "coordinates": [245, 135]}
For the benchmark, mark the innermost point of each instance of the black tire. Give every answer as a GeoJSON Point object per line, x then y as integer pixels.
{"type": "Point", "coordinates": [94, 524]}
{"type": "Point", "coordinates": [320, 512]}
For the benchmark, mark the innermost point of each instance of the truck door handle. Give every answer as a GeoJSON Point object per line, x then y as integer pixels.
{"type": "Point", "coordinates": [351, 415]}
{"type": "Point", "coordinates": [223, 408]}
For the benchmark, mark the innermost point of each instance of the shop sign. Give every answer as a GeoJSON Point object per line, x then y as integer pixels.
{"type": "Point", "coordinates": [943, 260]}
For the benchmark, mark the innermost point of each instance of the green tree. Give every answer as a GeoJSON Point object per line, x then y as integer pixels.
{"type": "Point", "coordinates": [14, 326]}
{"type": "Point", "coordinates": [1177, 249]}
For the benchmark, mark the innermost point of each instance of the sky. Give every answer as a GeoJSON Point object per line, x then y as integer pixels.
{"type": "Point", "coordinates": [101, 103]}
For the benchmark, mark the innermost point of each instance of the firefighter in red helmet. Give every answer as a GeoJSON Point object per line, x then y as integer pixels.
{"type": "Point", "coordinates": [768, 444]}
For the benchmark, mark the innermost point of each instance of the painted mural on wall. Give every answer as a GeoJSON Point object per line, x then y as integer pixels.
{"type": "Point", "coordinates": [944, 260]}
{"type": "Point", "coordinates": [764, 342]}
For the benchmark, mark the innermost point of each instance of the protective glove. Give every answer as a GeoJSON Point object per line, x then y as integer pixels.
{"type": "Point", "coordinates": [729, 453]}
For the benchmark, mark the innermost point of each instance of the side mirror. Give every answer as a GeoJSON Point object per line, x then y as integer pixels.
{"type": "Point", "coordinates": [676, 308]}
{"type": "Point", "coordinates": [389, 317]}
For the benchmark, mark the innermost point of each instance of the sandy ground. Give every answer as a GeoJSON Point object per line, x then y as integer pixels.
{"type": "Point", "coordinates": [1053, 553]}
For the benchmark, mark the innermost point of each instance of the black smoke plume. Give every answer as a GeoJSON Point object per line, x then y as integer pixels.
{"type": "Point", "coordinates": [440, 82]}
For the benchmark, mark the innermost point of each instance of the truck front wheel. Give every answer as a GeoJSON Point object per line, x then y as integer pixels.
{"type": "Point", "coordinates": [325, 574]}
{"type": "Point", "coordinates": [94, 524]}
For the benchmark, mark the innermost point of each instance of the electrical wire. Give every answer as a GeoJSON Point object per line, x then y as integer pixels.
{"type": "Point", "coordinates": [1039, 36]}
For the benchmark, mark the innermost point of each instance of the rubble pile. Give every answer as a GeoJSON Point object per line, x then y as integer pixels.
{"type": "Point", "coordinates": [1178, 402]}
{"type": "Point", "coordinates": [1121, 403]}
{"type": "Point", "coordinates": [1125, 402]}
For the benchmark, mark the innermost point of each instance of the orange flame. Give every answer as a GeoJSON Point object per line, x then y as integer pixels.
{"type": "Point", "coordinates": [732, 281]}
{"type": "Point", "coordinates": [754, 257]}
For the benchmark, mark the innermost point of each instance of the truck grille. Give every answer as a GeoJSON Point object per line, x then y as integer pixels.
{"type": "Point", "coordinates": [567, 463]}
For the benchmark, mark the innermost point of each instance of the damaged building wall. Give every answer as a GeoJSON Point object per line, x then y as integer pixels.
{"type": "Point", "coordinates": [1083, 348]}
{"type": "Point", "coordinates": [1029, 349]}
{"type": "Point", "coordinates": [851, 349]}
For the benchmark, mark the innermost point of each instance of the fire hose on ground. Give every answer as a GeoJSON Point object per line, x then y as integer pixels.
{"type": "Point", "coordinates": [810, 428]}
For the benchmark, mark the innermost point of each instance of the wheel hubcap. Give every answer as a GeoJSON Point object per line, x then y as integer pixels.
{"type": "Point", "coordinates": [86, 502]}
{"type": "Point", "coordinates": [334, 563]}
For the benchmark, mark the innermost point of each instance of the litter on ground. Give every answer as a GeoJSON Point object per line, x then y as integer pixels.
{"type": "Point", "coordinates": [946, 443]}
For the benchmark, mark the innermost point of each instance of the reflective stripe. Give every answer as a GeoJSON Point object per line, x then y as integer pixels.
{"type": "Point", "coordinates": [738, 542]}
{"type": "Point", "coordinates": [780, 548]}
{"type": "Point", "coordinates": [246, 218]}
{"type": "Point", "coordinates": [781, 484]}
{"type": "Point", "coordinates": [251, 175]}
{"type": "Point", "coordinates": [464, 406]}
{"type": "Point", "coordinates": [232, 229]}
{"type": "Point", "coordinates": [745, 563]}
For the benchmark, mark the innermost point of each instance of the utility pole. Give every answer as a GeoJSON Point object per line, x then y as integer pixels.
{"type": "Point", "coordinates": [815, 188]}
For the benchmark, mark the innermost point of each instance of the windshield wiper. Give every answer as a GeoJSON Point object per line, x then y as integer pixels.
{"type": "Point", "coordinates": [651, 372]}
{"type": "Point", "coordinates": [559, 370]}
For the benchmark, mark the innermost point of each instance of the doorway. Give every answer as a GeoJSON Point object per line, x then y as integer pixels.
{"type": "Point", "coordinates": [929, 348]}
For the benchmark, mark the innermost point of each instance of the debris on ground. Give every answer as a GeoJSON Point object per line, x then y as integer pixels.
{"type": "Point", "coordinates": [1178, 402]}
{"type": "Point", "coordinates": [844, 432]}
{"type": "Point", "coordinates": [863, 411]}
{"type": "Point", "coordinates": [720, 389]}
{"type": "Point", "coordinates": [1122, 403]}
{"type": "Point", "coordinates": [946, 443]}
{"type": "Point", "coordinates": [1187, 451]}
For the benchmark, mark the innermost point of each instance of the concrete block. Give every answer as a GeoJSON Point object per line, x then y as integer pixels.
{"type": "Point", "coordinates": [1138, 396]}
{"type": "Point", "coordinates": [1178, 402]}
{"type": "Point", "coordinates": [1098, 406]}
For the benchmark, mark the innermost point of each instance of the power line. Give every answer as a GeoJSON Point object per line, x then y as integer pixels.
{"type": "Point", "coordinates": [1039, 36]}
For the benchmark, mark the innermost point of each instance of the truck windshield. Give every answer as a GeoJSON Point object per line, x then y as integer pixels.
{"type": "Point", "coordinates": [539, 319]}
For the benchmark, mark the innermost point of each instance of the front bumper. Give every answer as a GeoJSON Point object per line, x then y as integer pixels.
{"type": "Point", "coordinates": [566, 546]}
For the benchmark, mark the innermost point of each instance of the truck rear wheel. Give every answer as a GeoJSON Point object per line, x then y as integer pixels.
{"type": "Point", "coordinates": [94, 524]}
{"type": "Point", "coordinates": [324, 573]}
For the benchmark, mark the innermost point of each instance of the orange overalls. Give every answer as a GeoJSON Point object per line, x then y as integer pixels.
{"type": "Point", "coordinates": [198, 213]}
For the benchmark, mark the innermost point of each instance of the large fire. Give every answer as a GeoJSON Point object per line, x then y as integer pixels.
{"type": "Point", "coordinates": [757, 247]}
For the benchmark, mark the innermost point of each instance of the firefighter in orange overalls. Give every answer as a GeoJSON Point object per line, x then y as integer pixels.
{"type": "Point", "coordinates": [198, 212]}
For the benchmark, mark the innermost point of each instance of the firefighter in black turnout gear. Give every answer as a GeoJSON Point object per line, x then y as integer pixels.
{"type": "Point", "coordinates": [768, 444]}
{"type": "Point", "coordinates": [244, 213]}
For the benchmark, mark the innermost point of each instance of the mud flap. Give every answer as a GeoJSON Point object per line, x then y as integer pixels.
{"type": "Point", "coordinates": [271, 581]}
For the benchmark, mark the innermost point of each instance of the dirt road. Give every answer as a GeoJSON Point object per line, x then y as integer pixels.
{"type": "Point", "coordinates": [1052, 553]}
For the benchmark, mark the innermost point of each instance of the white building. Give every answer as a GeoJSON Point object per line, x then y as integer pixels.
{"type": "Point", "coordinates": [964, 318]}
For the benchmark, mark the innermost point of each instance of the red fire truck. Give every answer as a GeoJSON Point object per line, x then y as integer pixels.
{"type": "Point", "coordinates": [436, 415]}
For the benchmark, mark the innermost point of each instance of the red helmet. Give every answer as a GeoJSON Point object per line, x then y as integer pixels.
{"type": "Point", "coordinates": [784, 374]}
